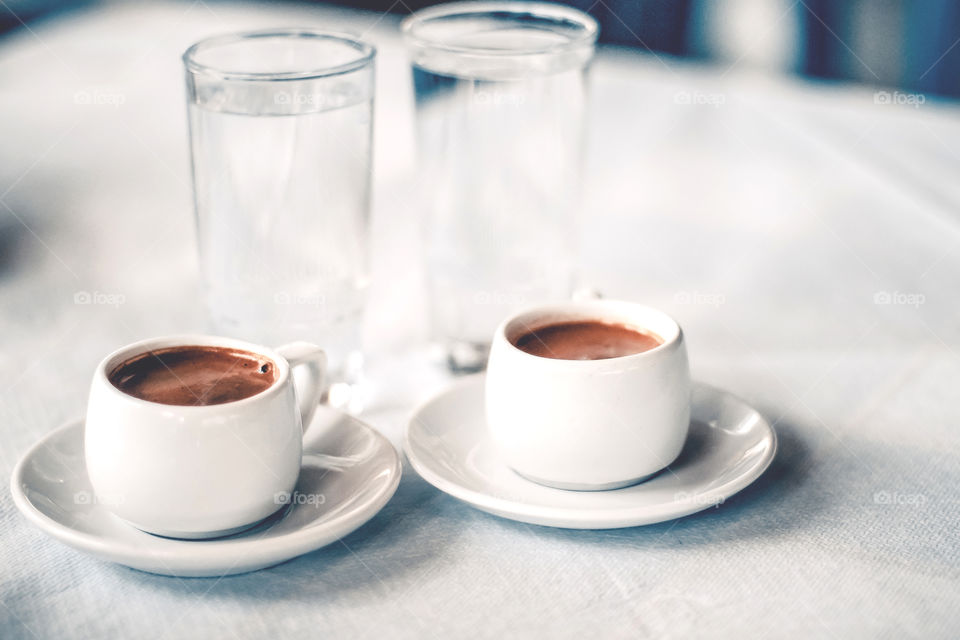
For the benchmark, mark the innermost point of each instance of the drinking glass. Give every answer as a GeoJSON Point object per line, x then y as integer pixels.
{"type": "Point", "coordinates": [280, 134]}
{"type": "Point", "coordinates": [500, 94]}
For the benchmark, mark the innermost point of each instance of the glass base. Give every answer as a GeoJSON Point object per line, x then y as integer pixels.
{"type": "Point", "coordinates": [346, 386]}
{"type": "Point", "coordinates": [465, 357]}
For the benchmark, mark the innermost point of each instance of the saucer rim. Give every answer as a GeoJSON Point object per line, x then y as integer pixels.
{"type": "Point", "coordinates": [573, 518]}
{"type": "Point", "coordinates": [203, 557]}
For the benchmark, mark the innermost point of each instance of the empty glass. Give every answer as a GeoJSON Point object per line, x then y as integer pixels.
{"type": "Point", "coordinates": [500, 104]}
{"type": "Point", "coordinates": [281, 132]}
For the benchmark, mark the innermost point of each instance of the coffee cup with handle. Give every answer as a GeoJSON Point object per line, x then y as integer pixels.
{"type": "Point", "coordinates": [177, 459]}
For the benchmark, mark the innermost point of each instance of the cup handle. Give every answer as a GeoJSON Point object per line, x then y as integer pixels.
{"type": "Point", "coordinates": [308, 387]}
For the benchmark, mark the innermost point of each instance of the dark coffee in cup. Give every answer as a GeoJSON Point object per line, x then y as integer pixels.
{"type": "Point", "coordinates": [586, 340]}
{"type": "Point", "coordinates": [194, 375]}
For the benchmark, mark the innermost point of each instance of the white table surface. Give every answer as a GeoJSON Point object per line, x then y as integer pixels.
{"type": "Point", "coordinates": [766, 224]}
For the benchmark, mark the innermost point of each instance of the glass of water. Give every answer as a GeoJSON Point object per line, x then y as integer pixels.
{"type": "Point", "coordinates": [500, 103]}
{"type": "Point", "coordinates": [280, 133]}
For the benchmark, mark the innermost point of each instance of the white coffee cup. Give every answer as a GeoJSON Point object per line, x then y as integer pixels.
{"type": "Point", "coordinates": [201, 471]}
{"type": "Point", "coordinates": [589, 424]}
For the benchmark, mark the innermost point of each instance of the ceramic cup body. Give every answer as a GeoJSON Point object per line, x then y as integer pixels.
{"type": "Point", "coordinates": [199, 471]}
{"type": "Point", "coordinates": [589, 424]}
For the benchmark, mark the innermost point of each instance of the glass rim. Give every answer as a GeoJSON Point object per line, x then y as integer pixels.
{"type": "Point", "coordinates": [366, 54]}
{"type": "Point", "coordinates": [545, 10]}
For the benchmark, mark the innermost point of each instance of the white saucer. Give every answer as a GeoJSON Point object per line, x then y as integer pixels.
{"type": "Point", "coordinates": [729, 446]}
{"type": "Point", "coordinates": [356, 475]}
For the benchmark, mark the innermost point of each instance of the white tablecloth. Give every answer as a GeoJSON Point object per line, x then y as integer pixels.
{"type": "Point", "coordinates": [806, 236]}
